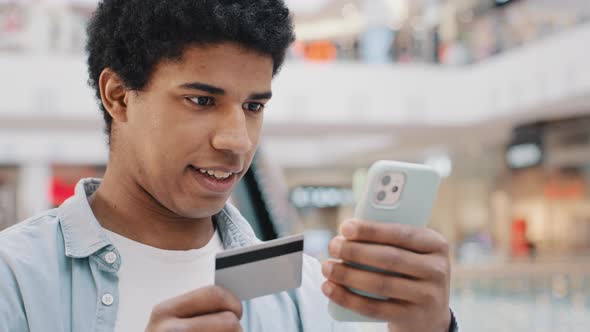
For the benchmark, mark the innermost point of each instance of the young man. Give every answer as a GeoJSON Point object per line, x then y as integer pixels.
{"type": "Point", "coordinates": [182, 85]}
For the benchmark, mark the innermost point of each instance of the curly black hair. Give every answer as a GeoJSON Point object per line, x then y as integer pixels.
{"type": "Point", "coordinates": [132, 36]}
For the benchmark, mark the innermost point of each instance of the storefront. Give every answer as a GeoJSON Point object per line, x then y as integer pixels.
{"type": "Point", "coordinates": [550, 202]}
{"type": "Point", "coordinates": [65, 177]}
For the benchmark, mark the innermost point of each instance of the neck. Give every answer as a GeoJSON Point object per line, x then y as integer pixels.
{"type": "Point", "coordinates": [122, 206]}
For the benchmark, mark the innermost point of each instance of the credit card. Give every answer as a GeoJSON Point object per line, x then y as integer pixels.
{"type": "Point", "coordinates": [261, 269]}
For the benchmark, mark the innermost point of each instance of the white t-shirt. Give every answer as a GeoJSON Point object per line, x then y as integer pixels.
{"type": "Point", "coordinates": [149, 276]}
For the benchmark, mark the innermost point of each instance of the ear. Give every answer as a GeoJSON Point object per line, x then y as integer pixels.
{"type": "Point", "coordinates": [113, 95]}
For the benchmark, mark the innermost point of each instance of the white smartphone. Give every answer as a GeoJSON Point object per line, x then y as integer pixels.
{"type": "Point", "coordinates": [395, 192]}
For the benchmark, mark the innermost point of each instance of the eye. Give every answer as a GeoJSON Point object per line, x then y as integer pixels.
{"type": "Point", "coordinates": [253, 107]}
{"type": "Point", "coordinates": [202, 101]}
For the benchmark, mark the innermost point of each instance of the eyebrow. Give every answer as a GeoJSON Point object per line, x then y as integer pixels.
{"type": "Point", "coordinates": [260, 96]}
{"type": "Point", "coordinates": [203, 87]}
{"type": "Point", "coordinates": [219, 91]}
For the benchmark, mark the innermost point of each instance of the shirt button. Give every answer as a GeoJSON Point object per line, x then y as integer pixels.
{"type": "Point", "coordinates": [108, 299]}
{"type": "Point", "coordinates": [110, 257]}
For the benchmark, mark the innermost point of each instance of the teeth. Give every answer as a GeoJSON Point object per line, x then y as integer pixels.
{"type": "Point", "coordinates": [217, 174]}
{"type": "Point", "coordinates": [221, 175]}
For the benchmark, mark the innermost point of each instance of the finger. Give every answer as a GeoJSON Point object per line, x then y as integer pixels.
{"type": "Point", "coordinates": [225, 321]}
{"type": "Point", "coordinates": [375, 283]}
{"type": "Point", "coordinates": [388, 310]}
{"type": "Point", "coordinates": [383, 257]}
{"type": "Point", "coordinates": [416, 239]}
{"type": "Point", "coordinates": [202, 301]}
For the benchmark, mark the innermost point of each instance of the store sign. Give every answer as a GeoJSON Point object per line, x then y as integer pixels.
{"type": "Point", "coordinates": [565, 190]}
{"type": "Point", "coordinates": [321, 197]}
{"type": "Point", "coordinates": [524, 155]}
{"type": "Point", "coordinates": [60, 190]}
{"type": "Point", "coordinates": [526, 148]}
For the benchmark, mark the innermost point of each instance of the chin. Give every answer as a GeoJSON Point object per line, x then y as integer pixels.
{"type": "Point", "coordinates": [203, 214]}
{"type": "Point", "coordinates": [200, 212]}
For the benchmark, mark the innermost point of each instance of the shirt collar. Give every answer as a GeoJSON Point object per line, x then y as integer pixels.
{"type": "Point", "coordinates": [83, 235]}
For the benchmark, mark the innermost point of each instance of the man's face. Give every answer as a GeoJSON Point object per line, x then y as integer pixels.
{"type": "Point", "coordinates": [191, 134]}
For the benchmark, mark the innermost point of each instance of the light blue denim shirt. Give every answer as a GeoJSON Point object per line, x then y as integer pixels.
{"type": "Point", "coordinates": [55, 275]}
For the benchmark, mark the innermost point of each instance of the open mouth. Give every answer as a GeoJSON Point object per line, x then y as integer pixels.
{"type": "Point", "coordinates": [215, 174]}
{"type": "Point", "coordinates": [214, 180]}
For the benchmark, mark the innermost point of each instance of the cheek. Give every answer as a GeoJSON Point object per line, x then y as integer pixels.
{"type": "Point", "coordinates": [254, 130]}
{"type": "Point", "coordinates": [160, 127]}
{"type": "Point", "coordinates": [152, 141]}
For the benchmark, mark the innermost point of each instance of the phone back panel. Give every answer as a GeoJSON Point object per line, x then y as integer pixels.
{"type": "Point", "coordinates": [415, 201]}
{"type": "Point", "coordinates": [412, 206]}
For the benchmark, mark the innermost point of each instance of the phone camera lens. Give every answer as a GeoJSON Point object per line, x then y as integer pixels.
{"type": "Point", "coordinates": [395, 189]}
{"type": "Point", "coordinates": [386, 179]}
{"type": "Point", "coordinates": [381, 195]}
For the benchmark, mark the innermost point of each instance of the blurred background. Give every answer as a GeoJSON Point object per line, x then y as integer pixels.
{"type": "Point", "coordinates": [494, 94]}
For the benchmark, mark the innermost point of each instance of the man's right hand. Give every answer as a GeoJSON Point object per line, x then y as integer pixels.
{"type": "Point", "coordinates": [211, 309]}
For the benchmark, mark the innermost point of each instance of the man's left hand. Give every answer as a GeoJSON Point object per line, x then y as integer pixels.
{"type": "Point", "coordinates": [418, 296]}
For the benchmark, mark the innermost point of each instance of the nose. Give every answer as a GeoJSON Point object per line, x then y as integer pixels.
{"type": "Point", "coordinates": [232, 134]}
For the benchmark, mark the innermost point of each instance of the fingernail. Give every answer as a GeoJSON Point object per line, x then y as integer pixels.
{"type": "Point", "coordinates": [327, 289]}
{"type": "Point", "coordinates": [327, 269]}
{"type": "Point", "coordinates": [348, 229]}
{"type": "Point", "coordinates": [336, 246]}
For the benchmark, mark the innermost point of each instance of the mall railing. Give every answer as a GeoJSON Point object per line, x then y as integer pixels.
{"type": "Point", "coordinates": [482, 32]}
{"type": "Point", "coordinates": [535, 296]}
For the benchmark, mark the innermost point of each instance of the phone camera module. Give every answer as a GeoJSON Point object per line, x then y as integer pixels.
{"type": "Point", "coordinates": [386, 180]}
{"type": "Point", "coordinates": [395, 189]}
{"type": "Point", "coordinates": [381, 196]}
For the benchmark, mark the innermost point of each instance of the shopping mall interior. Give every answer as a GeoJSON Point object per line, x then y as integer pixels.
{"type": "Point", "coordinates": [490, 93]}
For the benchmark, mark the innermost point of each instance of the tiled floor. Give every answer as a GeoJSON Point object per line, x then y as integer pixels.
{"type": "Point", "coordinates": [542, 314]}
